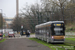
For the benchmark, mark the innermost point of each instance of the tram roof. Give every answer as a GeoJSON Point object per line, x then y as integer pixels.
{"type": "Point", "coordinates": [50, 22]}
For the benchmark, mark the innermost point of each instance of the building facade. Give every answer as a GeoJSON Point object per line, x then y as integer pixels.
{"type": "Point", "coordinates": [9, 22]}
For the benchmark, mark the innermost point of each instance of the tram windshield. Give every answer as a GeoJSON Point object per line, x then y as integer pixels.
{"type": "Point", "coordinates": [58, 29]}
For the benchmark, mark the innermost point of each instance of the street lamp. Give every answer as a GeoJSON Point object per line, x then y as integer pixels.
{"type": "Point", "coordinates": [17, 12]}
{"type": "Point", "coordinates": [17, 7]}
{"type": "Point", "coordinates": [1, 18]}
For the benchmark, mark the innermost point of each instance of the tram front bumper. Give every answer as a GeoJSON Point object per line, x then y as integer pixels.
{"type": "Point", "coordinates": [58, 40]}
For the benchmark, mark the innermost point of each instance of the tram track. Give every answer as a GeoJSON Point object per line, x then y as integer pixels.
{"type": "Point", "coordinates": [64, 45]}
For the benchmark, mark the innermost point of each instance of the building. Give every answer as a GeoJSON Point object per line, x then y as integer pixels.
{"type": "Point", "coordinates": [3, 23]}
{"type": "Point", "coordinates": [9, 22]}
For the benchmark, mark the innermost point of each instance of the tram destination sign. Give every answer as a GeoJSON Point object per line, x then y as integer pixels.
{"type": "Point", "coordinates": [57, 24]}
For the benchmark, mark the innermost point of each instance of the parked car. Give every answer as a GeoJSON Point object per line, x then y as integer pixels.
{"type": "Point", "coordinates": [11, 34]}
{"type": "Point", "coordinates": [1, 34]}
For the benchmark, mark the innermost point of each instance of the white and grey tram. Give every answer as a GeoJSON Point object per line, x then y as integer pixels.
{"type": "Point", "coordinates": [52, 31]}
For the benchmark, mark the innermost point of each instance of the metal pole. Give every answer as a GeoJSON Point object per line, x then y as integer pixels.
{"type": "Point", "coordinates": [1, 19]}
{"type": "Point", "coordinates": [17, 7]}
{"type": "Point", "coordinates": [4, 23]}
{"type": "Point", "coordinates": [38, 14]}
{"type": "Point", "coordinates": [63, 13]}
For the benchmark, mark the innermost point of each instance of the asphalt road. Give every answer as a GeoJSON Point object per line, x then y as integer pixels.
{"type": "Point", "coordinates": [22, 44]}
{"type": "Point", "coordinates": [19, 36]}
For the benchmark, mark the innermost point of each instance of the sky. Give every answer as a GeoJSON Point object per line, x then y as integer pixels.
{"type": "Point", "coordinates": [9, 6]}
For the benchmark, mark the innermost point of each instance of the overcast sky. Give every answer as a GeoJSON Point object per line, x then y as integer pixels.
{"type": "Point", "coordinates": [9, 6]}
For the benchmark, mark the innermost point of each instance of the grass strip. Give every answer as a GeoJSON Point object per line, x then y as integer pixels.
{"type": "Point", "coordinates": [51, 46]}
{"type": "Point", "coordinates": [73, 39]}
{"type": "Point", "coordinates": [2, 40]}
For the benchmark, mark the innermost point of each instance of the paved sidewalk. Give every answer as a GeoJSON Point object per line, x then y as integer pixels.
{"type": "Point", "coordinates": [22, 44]}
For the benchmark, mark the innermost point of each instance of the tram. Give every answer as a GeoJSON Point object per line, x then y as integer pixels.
{"type": "Point", "coordinates": [52, 31]}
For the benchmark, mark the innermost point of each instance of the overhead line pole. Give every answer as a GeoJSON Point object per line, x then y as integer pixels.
{"type": "Point", "coordinates": [38, 13]}
{"type": "Point", "coordinates": [1, 19]}
{"type": "Point", "coordinates": [17, 8]}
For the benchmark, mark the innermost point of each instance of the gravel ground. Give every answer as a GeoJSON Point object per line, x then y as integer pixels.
{"type": "Point", "coordinates": [22, 44]}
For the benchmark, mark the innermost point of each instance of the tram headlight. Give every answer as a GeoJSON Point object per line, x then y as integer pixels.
{"type": "Point", "coordinates": [52, 37]}
{"type": "Point", "coordinates": [64, 36]}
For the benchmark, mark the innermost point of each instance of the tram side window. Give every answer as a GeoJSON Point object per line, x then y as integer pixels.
{"type": "Point", "coordinates": [38, 31]}
{"type": "Point", "coordinates": [41, 31]}
{"type": "Point", "coordinates": [44, 31]}
{"type": "Point", "coordinates": [50, 31]}
{"type": "Point", "coordinates": [47, 29]}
